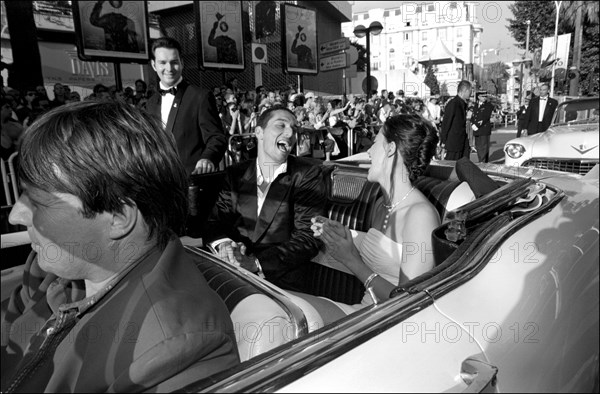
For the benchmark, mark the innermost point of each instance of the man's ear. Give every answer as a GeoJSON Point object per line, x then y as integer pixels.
{"type": "Point", "coordinates": [391, 149]}
{"type": "Point", "coordinates": [124, 222]}
{"type": "Point", "coordinates": [153, 63]}
{"type": "Point", "coordinates": [258, 132]}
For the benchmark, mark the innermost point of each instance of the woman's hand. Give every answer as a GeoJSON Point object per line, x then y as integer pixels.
{"type": "Point", "coordinates": [338, 241]}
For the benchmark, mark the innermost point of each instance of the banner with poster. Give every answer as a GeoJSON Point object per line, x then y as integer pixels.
{"type": "Point", "coordinates": [112, 30]}
{"type": "Point", "coordinates": [299, 40]}
{"type": "Point", "coordinates": [562, 50]}
{"type": "Point", "coordinates": [221, 42]}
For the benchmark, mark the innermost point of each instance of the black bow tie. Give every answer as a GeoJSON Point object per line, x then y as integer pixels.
{"type": "Point", "coordinates": [543, 98]}
{"type": "Point", "coordinates": [171, 90]}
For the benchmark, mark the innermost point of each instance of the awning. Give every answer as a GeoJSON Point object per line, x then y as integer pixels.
{"type": "Point", "coordinates": [440, 54]}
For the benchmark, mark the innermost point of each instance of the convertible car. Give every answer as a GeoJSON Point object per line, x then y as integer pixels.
{"type": "Point", "coordinates": [511, 305]}
{"type": "Point", "coordinates": [570, 144]}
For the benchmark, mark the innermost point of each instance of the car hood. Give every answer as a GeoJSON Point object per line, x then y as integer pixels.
{"type": "Point", "coordinates": [575, 142]}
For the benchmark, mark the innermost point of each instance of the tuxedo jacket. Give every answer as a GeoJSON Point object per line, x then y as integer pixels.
{"type": "Point", "coordinates": [481, 119]}
{"type": "Point", "coordinates": [195, 124]}
{"type": "Point", "coordinates": [280, 237]}
{"type": "Point", "coordinates": [531, 123]}
{"type": "Point", "coordinates": [454, 125]}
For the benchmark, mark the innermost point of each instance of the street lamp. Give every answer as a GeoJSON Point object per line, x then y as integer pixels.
{"type": "Point", "coordinates": [557, 4]}
{"type": "Point", "coordinates": [360, 31]}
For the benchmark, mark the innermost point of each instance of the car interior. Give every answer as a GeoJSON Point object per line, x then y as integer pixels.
{"type": "Point", "coordinates": [265, 316]}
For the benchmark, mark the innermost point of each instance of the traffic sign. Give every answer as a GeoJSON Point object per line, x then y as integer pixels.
{"type": "Point", "coordinates": [334, 46]}
{"type": "Point", "coordinates": [333, 62]}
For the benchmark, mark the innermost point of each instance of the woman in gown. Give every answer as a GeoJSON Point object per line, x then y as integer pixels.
{"type": "Point", "coordinates": [398, 247]}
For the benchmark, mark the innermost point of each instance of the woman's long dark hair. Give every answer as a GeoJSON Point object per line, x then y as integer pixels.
{"type": "Point", "coordinates": [416, 140]}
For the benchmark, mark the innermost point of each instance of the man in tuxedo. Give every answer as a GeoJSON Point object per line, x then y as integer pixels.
{"type": "Point", "coordinates": [482, 126]}
{"type": "Point", "coordinates": [453, 135]}
{"type": "Point", "coordinates": [540, 112]}
{"type": "Point", "coordinates": [189, 112]}
{"type": "Point", "coordinates": [266, 205]}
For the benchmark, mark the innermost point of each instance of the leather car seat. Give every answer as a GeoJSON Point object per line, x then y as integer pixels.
{"type": "Point", "coordinates": [259, 322]}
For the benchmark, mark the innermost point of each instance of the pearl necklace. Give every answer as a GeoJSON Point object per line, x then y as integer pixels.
{"type": "Point", "coordinates": [390, 208]}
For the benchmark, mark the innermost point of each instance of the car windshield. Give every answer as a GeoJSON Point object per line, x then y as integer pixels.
{"type": "Point", "coordinates": [577, 111]}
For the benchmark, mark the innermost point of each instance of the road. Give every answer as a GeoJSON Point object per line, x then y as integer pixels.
{"type": "Point", "coordinates": [499, 137]}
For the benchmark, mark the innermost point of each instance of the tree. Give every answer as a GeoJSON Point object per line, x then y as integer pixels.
{"type": "Point", "coordinates": [444, 90]}
{"type": "Point", "coordinates": [542, 15]}
{"type": "Point", "coordinates": [497, 72]}
{"type": "Point", "coordinates": [576, 13]}
{"type": "Point", "coordinates": [361, 63]}
{"type": "Point", "coordinates": [431, 80]}
{"type": "Point", "coordinates": [26, 69]}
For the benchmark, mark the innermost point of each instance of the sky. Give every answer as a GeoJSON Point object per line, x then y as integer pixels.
{"type": "Point", "coordinates": [491, 15]}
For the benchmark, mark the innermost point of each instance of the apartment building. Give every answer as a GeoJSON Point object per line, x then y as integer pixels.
{"type": "Point", "coordinates": [414, 33]}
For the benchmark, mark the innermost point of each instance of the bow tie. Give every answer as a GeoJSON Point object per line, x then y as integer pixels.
{"type": "Point", "coordinates": [543, 98]}
{"type": "Point", "coordinates": [171, 90]}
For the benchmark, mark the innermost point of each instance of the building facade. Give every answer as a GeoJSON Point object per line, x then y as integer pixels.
{"type": "Point", "coordinates": [412, 30]}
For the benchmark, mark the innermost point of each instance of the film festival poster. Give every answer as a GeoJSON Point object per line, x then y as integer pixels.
{"type": "Point", "coordinates": [220, 34]}
{"type": "Point", "coordinates": [265, 18]}
{"type": "Point", "coordinates": [114, 31]}
{"type": "Point", "coordinates": [299, 31]}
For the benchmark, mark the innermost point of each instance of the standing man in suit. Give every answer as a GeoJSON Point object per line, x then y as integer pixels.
{"type": "Point", "coordinates": [482, 126]}
{"type": "Point", "coordinates": [266, 205]}
{"type": "Point", "coordinates": [454, 124]}
{"type": "Point", "coordinates": [540, 112]}
{"type": "Point", "coordinates": [189, 112]}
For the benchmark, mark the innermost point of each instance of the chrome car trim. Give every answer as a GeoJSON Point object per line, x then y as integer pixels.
{"type": "Point", "coordinates": [294, 312]}
{"type": "Point", "coordinates": [479, 376]}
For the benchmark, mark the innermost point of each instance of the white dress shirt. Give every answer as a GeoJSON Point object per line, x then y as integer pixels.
{"type": "Point", "coordinates": [260, 179]}
{"type": "Point", "coordinates": [543, 102]}
{"type": "Point", "coordinates": [166, 102]}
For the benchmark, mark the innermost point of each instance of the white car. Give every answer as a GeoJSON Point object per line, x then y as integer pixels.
{"type": "Point", "coordinates": [570, 144]}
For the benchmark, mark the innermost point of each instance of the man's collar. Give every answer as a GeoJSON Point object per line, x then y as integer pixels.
{"type": "Point", "coordinates": [260, 178]}
{"type": "Point", "coordinates": [164, 87]}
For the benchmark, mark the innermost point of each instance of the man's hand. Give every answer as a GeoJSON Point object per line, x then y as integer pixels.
{"type": "Point", "coordinates": [524, 133]}
{"type": "Point", "coordinates": [204, 166]}
{"type": "Point", "coordinates": [235, 253]}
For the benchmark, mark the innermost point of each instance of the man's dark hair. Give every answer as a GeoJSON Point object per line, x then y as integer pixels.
{"type": "Point", "coordinates": [463, 85]}
{"type": "Point", "coordinates": [165, 42]}
{"type": "Point", "coordinates": [142, 82]}
{"type": "Point", "coordinates": [108, 155]}
{"type": "Point", "coordinates": [264, 118]}
{"type": "Point", "coordinates": [99, 88]}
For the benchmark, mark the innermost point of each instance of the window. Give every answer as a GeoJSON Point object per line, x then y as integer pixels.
{"type": "Point", "coordinates": [366, 16]}
{"type": "Point", "coordinates": [375, 66]}
{"type": "Point", "coordinates": [430, 7]}
{"type": "Point", "coordinates": [442, 33]}
{"type": "Point", "coordinates": [453, 4]}
{"type": "Point", "coordinates": [354, 17]}
{"type": "Point", "coordinates": [397, 12]}
{"type": "Point", "coordinates": [424, 50]}
{"type": "Point", "coordinates": [424, 36]}
{"type": "Point", "coordinates": [419, 9]}
{"type": "Point", "coordinates": [392, 53]}
{"type": "Point", "coordinates": [407, 36]}
{"type": "Point", "coordinates": [391, 40]}
{"type": "Point", "coordinates": [386, 13]}
{"type": "Point", "coordinates": [392, 66]}
{"type": "Point", "coordinates": [459, 49]}
{"type": "Point", "coordinates": [459, 33]}
{"type": "Point", "coordinates": [407, 24]}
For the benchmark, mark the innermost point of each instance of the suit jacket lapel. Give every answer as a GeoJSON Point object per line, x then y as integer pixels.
{"type": "Point", "coordinates": [547, 109]}
{"type": "Point", "coordinates": [247, 198]}
{"type": "Point", "coordinates": [278, 191]}
{"type": "Point", "coordinates": [176, 105]}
